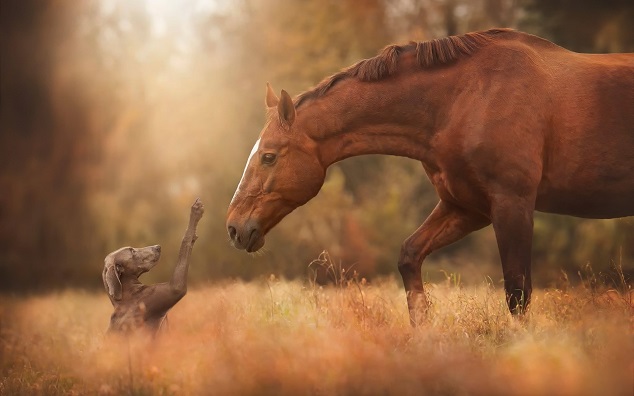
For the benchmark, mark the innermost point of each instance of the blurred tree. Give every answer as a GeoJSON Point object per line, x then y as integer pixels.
{"type": "Point", "coordinates": [46, 136]}
{"type": "Point", "coordinates": [583, 26]}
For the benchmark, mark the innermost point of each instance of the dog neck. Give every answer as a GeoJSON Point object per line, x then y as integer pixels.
{"type": "Point", "coordinates": [130, 287]}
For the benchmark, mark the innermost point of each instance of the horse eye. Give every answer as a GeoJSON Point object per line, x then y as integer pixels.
{"type": "Point", "coordinates": [268, 158]}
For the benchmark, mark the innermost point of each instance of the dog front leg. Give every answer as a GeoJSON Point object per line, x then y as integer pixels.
{"type": "Point", "coordinates": [178, 283]}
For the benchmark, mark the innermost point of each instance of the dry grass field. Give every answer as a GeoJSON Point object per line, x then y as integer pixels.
{"type": "Point", "coordinates": [277, 337]}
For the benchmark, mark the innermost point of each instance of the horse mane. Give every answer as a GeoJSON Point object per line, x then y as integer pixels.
{"type": "Point", "coordinates": [428, 54]}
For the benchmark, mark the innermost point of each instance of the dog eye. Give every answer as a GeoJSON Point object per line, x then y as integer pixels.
{"type": "Point", "coordinates": [268, 158]}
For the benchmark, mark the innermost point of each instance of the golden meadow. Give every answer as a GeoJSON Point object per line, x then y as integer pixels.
{"type": "Point", "coordinates": [280, 337]}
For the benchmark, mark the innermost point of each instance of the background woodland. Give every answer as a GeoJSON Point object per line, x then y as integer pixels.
{"type": "Point", "coordinates": [116, 115]}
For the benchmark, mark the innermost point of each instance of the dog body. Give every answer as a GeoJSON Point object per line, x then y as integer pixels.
{"type": "Point", "coordinates": [139, 306]}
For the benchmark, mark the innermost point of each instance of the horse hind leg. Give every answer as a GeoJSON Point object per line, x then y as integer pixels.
{"type": "Point", "coordinates": [446, 224]}
{"type": "Point", "coordinates": [513, 225]}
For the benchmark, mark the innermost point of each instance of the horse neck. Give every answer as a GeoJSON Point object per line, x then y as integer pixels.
{"type": "Point", "coordinates": [394, 117]}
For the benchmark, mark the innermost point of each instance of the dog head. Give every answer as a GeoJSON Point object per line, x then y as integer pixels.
{"type": "Point", "coordinates": [127, 262]}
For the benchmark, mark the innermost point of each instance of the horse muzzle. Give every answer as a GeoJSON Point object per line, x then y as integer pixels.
{"type": "Point", "coordinates": [248, 237]}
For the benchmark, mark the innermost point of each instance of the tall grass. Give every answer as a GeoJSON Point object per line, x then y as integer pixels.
{"type": "Point", "coordinates": [282, 337]}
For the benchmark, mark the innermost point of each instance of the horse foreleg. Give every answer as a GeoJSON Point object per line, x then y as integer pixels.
{"type": "Point", "coordinates": [513, 224]}
{"type": "Point", "coordinates": [446, 224]}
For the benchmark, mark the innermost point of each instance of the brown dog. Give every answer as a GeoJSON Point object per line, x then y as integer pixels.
{"type": "Point", "coordinates": [141, 306]}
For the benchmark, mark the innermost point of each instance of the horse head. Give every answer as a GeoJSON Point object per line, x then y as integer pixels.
{"type": "Point", "coordinates": [283, 172]}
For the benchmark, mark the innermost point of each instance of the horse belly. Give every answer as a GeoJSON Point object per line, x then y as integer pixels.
{"type": "Point", "coordinates": [591, 204]}
{"type": "Point", "coordinates": [584, 183]}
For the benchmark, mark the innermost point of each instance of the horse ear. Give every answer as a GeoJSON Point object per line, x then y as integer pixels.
{"type": "Point", "coordinates": [286, 109]}
{"type": "Point", "coordinates": [111, 280]}
{"type": "Point", "coordinates": [271, 99]}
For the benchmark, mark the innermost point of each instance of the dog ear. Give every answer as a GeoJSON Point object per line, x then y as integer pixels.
{"type": "Point", "coordinates": [111, 279]}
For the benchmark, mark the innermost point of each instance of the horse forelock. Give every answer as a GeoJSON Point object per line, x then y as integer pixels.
{"type": "Point", "coordinates": [428, 54]}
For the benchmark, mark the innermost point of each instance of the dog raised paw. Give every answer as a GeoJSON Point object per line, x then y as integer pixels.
{"type": "Point", "coordinates": [197, 209]}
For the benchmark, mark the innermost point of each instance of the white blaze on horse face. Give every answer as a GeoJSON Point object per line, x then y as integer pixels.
{"type": "Point", "coordinates": [254, 150]}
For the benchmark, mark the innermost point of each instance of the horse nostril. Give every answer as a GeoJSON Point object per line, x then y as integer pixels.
{"type": "Point", "coordinates": [232, 232]}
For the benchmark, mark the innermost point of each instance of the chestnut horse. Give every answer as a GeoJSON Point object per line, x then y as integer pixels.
{"type": "Point", "coordinates": [503, 122]}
